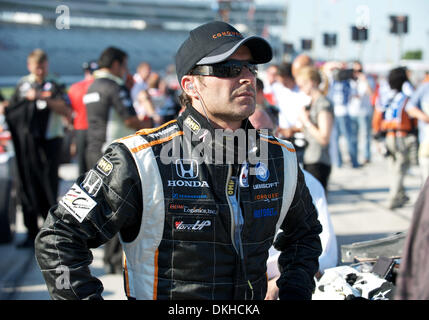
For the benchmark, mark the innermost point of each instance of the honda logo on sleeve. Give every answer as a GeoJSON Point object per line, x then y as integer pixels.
{"type": "Point", "coordinates": [187, 168]}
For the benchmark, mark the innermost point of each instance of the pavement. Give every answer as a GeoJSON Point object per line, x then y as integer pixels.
{"type": "Point", "coordinates": [356, 201]}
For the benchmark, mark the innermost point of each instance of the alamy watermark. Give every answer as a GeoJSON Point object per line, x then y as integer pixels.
{"type": "Point", "coordinates": [63, 20]}
{"type": "Point", "coordinates": [63, 279]}
{"type": "Point", "coordinates": [218, 147]}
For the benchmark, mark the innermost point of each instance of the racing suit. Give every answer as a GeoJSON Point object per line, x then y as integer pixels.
{"type": "Point", "coordinates": [37, 135]}
{"type": "Point", "coordinates": [189, 230]}
{"type": "Point", "coordinates": [108, 104]}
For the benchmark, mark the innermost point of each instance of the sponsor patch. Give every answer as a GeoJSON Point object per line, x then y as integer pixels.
{"type": "Point", "coordinates": [47, 86]}
{"type": "Point", "coordinates": [163, 132]}
{"type": "Point", "coordinates": [269, 196]}
{"type": "Point", "coordinates": [192, 124]}
{"type": "Point", "coordinates": [77, 202]}
{"type": "Point", "coordinates": [189, 209]}
{"type": "Point", "coordinates": [104, 166]}
{"type": "Point", "coordinates": [187, 183]}
{"type": "Point", "coordinates": [91, 98]}
{"type": "Point", "coordinates": [262, 172]}
{"type": "Point", "coordinates": [92, 183]}
{"type": "Point", "coordinates": [188, 196]}
{"type": "Point", "coordinates": [244, 175]}
{"type": "Point", "coordinates": [264, 212]}
{"type": "Point", "coordinates": [265, 185]}
{"type": "Point", "coordinates": [193, 225]}
{"type": "Point", "coordinates": [231, 187]}
{"type": "Point", "coordinates": [187, 168]}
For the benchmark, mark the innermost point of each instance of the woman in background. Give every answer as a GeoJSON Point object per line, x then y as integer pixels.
{"type": "Point", "coordinates": [318, 120]}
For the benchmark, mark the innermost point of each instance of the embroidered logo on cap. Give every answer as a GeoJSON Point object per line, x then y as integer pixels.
{"type": "Point", "coordinates": [226, 34]}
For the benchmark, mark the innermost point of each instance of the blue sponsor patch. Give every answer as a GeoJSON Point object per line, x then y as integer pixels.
{"type": "Point", "coordinates": [264, 212]}
{"type": "Point", "coordinates": [262, 172]}
{"type": "Point", "coordinates": [188, 196]}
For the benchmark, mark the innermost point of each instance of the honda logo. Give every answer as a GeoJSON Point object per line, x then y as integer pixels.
{"type": "Point", "coordinates": [187, 168]}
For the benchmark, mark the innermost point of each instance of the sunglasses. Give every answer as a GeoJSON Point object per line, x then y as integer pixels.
{"type": "Point", "coordinates": [227, 69]}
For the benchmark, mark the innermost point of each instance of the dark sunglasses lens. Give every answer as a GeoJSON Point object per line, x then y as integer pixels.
{"type": "Point", "coordinates": [228, 69]}
{"type": "Point", "coordinates": [232, 69]}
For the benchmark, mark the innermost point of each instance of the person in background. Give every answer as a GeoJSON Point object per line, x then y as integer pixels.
{"type": "Point", "coordinates": [111, 115]}
{"type": "Point", "coordinates": [318, 121]}
{"type": "Point", "coordinates": [290, 101]}
{"type": "Point", "coordinates": [413, 275]}
{"type": "Point", "coordinates": [144, 70]}
{"type": "Point", "coordinates": [265, 115]}
{"type": "Point", "coordinates": [80, 122]}
{"type": "Point", "coordinates": [144, 106]}
{"type": "Point", "coordinates": [270, 78]}
{"type": "Point", "coordinates": [418, 108]}
{"type": "Point", "coordinates": [36, 117]}
{"type": "Point", "coordinates": [360, 109]}
{"type": "Point", "coordinates": [399, 131]}
{"type": "Point", "coordinates": [110, 111]}
{"type": "Point", "coordinates": [299, 62]}
{"type": "Point", "coordinates": [3, 103]}
{"type": "Point", "coordinates": [340, 93]}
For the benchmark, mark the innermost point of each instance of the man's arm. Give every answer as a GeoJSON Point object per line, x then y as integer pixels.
{"type": "Point", "coordinates": [104, 201]}
{"type": "Point", "coordinates": [300, 246]}
{"type": "Point", "coordinates": [413, 107]}
{"type": "Point", "coordinates": [59, 106]}
{"type": "Point", "coordinates": [123, 104]}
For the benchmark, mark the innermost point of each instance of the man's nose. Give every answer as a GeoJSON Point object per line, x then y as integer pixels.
{"type": "Point", "coordinates": [247, 76]}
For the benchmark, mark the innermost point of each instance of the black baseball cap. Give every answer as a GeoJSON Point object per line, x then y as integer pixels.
{"type": "Point", "coordinates": [215, 42]}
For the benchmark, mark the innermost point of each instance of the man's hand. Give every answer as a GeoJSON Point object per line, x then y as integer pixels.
{"type": "Point", "coordinates": [272, 290]}
{"type": "Point", "coordinates": [32, 94]}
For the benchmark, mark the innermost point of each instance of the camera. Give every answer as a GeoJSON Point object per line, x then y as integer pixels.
{"type": "Point", "coordinates": [343, 74]}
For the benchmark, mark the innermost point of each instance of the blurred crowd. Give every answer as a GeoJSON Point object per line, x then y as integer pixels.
{"type": "Point", "coordinates": [338, 115]}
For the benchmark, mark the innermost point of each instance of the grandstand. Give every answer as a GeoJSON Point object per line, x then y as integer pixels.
{"type": "Point", "coordinates": [96, 24]}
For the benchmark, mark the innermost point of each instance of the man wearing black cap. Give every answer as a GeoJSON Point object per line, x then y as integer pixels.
{"type": "Point", "coordinates": [193, 229]}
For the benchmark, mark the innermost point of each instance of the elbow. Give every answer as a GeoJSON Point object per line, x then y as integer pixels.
{"type": "Point", "coordinates": [324, 141]}
{"type": "Point", "coordinates": [40, 250]}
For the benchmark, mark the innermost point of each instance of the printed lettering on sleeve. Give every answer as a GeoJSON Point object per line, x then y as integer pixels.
{"type": "Point", "coordinates": [104, 166]}
{"type": "Point", "coordinates": [77, 202]}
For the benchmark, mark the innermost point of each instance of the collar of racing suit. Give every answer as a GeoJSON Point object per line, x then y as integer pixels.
{"type": "Point", "coordinates": [106, 74]}
{"type": "Point", "coordinates": [196, 127]}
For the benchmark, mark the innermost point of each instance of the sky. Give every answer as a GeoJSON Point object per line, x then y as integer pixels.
{"type": "Point", "coordinates": [311, 18]}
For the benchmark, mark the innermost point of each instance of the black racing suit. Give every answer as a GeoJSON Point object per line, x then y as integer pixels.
{"type": "Point", "coordinates": [107, 102]}
{"type": "Point", "coordinates": [37, 135]}
{"type": "Point", "coordinates": [196, 257]}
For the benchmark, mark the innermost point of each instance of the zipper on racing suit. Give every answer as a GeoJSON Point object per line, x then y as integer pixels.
{"type": "Point", "coordinates": [237, 219]}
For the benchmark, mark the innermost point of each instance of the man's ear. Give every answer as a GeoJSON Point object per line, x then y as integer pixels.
{"type": "Point", "coordinates": [188, 86]}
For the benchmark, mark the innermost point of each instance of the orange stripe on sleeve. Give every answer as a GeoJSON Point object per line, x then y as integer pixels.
{"type": "Point", "coordinates": [155, 142]}
{"type": "Point", "coordinates": [127, 279]}
{"type": "Point", "coordinates": [155, 280]}
{"type": "Point", "coordinates": [152, 130]}
{"type": "Point", "coordinates": [146, 131]}
{"type": "Point", "coordinates": [279, 144]}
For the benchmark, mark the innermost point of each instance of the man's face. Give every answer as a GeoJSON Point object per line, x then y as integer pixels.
{"type": "Point", "coordinates": [229, 100]}
{"type": "Point", "coordinates": [271, 74]}
{"type": "Point", "coordinates": [39, 69]}
{"type": "Point", "coordinates": [305, 85]}
{"type": "Point", "coordinates": [123, 68]}
{"type": "Point", "coordinates": [145, 71]}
